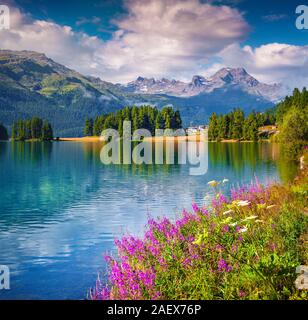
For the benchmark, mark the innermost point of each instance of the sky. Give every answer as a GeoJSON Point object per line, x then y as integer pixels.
{"type": "Point", "coordinates": [176, 39]}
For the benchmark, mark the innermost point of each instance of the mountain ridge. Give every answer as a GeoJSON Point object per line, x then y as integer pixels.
{"type": "Point", "coordinates": [201, 85]}
{"type": "Point", "coordinates": [31, 84]}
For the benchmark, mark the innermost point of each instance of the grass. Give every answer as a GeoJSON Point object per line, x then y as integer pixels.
{"type": "Point", "coordinates": [243, 247]}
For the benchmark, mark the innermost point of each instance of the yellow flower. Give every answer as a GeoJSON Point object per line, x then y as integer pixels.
{"type": "Point", "coordinates": [261, 206]}
{"type": "Point", "coordinates": [226, 221]}
{"type": "Point", "coordinates": [213, 183]}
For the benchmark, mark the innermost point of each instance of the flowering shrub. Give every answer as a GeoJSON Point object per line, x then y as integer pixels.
{"type": "Point", "coordinates": [242, 247]}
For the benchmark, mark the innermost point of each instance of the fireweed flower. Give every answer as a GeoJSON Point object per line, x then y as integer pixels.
{"type": "Point", "coordinates": [223, 266]}
{"type": "Point", "coordinates": [242, 294]}
{"type": "Point", "coordinates": [225, 228]}
{"type": "Point", "coordinates": [219, 201]}
{"type": "Point", "coordinates": [219, 247]}
{"type": "Point", "coordinates": [140, 261]}
{"type": "Point", "coordinates": [195, 207]}
{"type": "Point", "coordinates": [205, 212]}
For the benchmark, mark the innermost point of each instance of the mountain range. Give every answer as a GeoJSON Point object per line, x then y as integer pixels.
{"type": "Point", "coordinates": [226, 78]}
{"type": "Point", "coordinates": [32, 84]}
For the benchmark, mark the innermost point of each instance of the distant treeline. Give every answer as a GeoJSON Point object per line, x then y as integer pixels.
{"type": "Point", "coordinates": [34, 128]}
{"type": "Point", "coordinates": [234, 125]}
{"type": "Point", "coordinates": [144, 117]}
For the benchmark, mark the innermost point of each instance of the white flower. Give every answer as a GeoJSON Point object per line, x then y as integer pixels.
{"type": "Point", "coordinates": [213, 183]}
{"type": "Point", "coordinates": [228, 212]}
{"type": "Point", "coordinates": [207, 197]}
{"type": "Point", "coordinates": [270, 207]}
{"type": "Point", "coordinates": [243, 230]}
{"type": "Point", "coordinates": [243, 203]}
{"type": "Point", "coordinates": [225, 181]}
{"type": "Point", "coordinates": [259, 221]}
{"type": "Point", "coordinates": [250, 218]}
{"type": "Point", "coordinates": [233, 224]}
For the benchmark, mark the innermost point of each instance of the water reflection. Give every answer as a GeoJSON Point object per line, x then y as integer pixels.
{"type": "Point", "coordinates": [60, 207]}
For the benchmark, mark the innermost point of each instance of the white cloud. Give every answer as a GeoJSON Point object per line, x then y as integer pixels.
{"type": "Point", "coordinates": [155, 38]}
{"type": "Point", "coordinates": [170, 37]}
{"type": "Point", "coordinates": [61, 43]}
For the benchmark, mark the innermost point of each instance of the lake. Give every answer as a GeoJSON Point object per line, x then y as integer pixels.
{"type": "Point", "coordinates": [61, 208]}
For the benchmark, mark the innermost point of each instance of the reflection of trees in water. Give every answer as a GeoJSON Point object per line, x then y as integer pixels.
{"type": "Point", "coordinates": [287, 168]}
{"type": "Point", "coordinates": [3, 149]}
{"type": "Point", "coordinates": [239, 155]}
{"type": "Point", "coordinates": [236, 156]}
{"type": "Point", "coordinates": [92, 152]}
{"type": "Point", "coordinates": [31, 152]}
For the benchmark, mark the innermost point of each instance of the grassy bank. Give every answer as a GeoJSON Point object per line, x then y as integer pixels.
{"type": "Point", "coordinates": [246, 246]}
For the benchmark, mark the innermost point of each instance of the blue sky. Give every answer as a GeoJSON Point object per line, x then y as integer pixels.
{"type": "Point", "coordinates": [119, 40]}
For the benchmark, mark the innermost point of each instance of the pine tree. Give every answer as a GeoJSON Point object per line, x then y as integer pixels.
{"type": "Point", "coordinates": [177, 120]}
{"type": "Point", "coordinates": [88, 130]}
{"type": "Point", "coordinates": [221, 127]}
{"type": "Point", "coordinates": [3, 133]}
{"type": "Point", "coordinates": [14, 130]}
{"type": "Point", "coordinates": [167, 122]}
{"type": "Point", "coordinates": [28, 129]}
{"type": "Point", "coordinates": [238, 122]}
{"type": "Point", "coordinates": [47, 133]}
{"type": "Point", "coordinates": [36, 128]}
{"type": "Point", "coordinates": [159, 122]}
{"type": "Point", "coordinates": [98, 125]}
{"type": "Point", "coordinates": [21, 132]}
{"type": "Point", "coordinates": [212, 133]}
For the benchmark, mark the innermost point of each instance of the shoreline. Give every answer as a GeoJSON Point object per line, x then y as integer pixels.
{"type": "Point", "coordinates": [165, 138]}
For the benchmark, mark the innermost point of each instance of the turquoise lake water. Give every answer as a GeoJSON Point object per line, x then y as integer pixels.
{"type": "Point", "coordinates": [61, 208]}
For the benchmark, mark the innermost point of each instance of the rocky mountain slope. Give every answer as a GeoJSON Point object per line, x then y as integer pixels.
{"type": "Point", "coordinates": [226, 78]}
